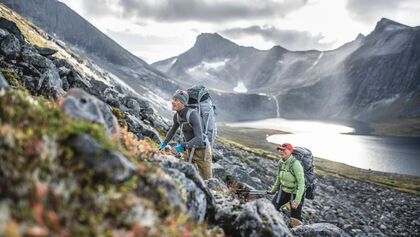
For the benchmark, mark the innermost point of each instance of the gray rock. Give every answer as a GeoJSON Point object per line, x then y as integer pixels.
{"type": "Point", "coordinates": [103, 162]}
{"type": "Point", "coordinates": [260, 218]}
{"type": "Point", "coordinates": [226, 211]}
{"type": "Point", "coordinates": [111, 97]}
{"type": "Point", "coordinates": [45, 51]}
{"type": "Point", "coordinates": [30, 83]}
{"type": "Point", "coordinates": [77, 81]}
{"type": "Point", "coordinates": [140, 129]}
{"type": "Point", "coordinates": [216, 184]}
{"type": "Point", "coordinates": [50, 84]}
{"type": "Point", "coordinates": [64, 71]}
{"type": "Point", "coordinates": [3, 82]}
{"type": "Point", "coordinates": [194, 197]}
{"type": "Point", "coordinates": [192, 173]}
{"type": "Point", "coordinates": [80, 105]}
{"type": "Point", "coordinates": [319, 230]}
{"type": "Point", "coordinates": [11, 27]}
{"type": "Point", "coordinates": [32, 57]}
{"type": "Point", "coordinates": [10, 45]}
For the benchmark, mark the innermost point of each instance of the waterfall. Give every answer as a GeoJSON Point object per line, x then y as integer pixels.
{"type": "Point", "coordinates": [277, 106]}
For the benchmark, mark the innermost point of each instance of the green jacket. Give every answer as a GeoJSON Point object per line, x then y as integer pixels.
{"type": "Point", "coordinates": [289, 183]}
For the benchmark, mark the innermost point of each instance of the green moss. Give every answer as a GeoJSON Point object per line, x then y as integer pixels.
{"type": "Point", "coordinates": [13, 79]}
{"type": "Point", "coordinates": [152, 143]}
{"type": "Point", "coordinates": [120, 116]}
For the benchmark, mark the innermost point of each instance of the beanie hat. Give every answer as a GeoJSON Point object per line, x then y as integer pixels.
{"type": "Point", "coordinates": [181, 96]}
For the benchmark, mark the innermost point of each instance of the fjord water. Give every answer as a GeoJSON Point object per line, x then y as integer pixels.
{"type": "Point", "coordinates": [337, 143]}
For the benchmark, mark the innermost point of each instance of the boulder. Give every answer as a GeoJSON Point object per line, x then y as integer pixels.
{"type": "Point", "coordinates": [260, 218]}
{"type": "Point", "coordinates": [11, 27]}
{"type": "Point", "coordinates": [192, 173]}
{"type": "Point", "coordinates": [45, 51]}
{"type": "Point", "coordinates": [194, 197]}
{"type": "Point", "coordinates": [140, 129]}
{"type": "Point", "coordinates": [80, 105]}
{"type": "Point", "coordinates": [103, 162]}
{"type": "Point", "coordinates": [10, 45]}
{"type": "Point", "coordinates": [32, 57]}
{"type": "Point", "coordinates": [77, 81]}
{"type": "Point", "coordinates": [50, 84]}
{"type": "Point", "coordinates": [319, 230]}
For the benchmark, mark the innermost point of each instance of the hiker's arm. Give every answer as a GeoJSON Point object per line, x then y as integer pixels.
{"type": "Point", "coordinates": [197, 140]}
{"type": "Point", "coordinates": [300, 178]}
{"type": "Point", "coordinates": [172, 131]}
{"type": "Point", "coordinates": [276, 186]}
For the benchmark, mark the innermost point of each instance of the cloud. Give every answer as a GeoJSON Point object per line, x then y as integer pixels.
{"type": "Point", "coordinates": [371, 11]}
{"type": "Point", "coordinates": [194, 10]}
{"type": "Point", "coordinates": [290, 39]}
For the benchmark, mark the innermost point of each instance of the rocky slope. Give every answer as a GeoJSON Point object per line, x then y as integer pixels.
{"type": "Point", "coordinates": [76, 33]}
{"type": "Point", "coordinates": [78, 158]}
{"type": "Point", "coordinates": [369, 79]}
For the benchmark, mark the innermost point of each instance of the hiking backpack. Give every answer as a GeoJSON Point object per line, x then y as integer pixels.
{"type": "Point", "coordinates": [200, 100]}
{"type": "Point", "coordinates": [305, 157]}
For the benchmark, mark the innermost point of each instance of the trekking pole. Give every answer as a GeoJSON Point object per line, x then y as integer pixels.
{"type": "Point", "coordinates": [257, 192]}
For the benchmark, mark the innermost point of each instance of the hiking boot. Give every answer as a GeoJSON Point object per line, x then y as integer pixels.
{"type": "Point", "coordinates": [295, 222]}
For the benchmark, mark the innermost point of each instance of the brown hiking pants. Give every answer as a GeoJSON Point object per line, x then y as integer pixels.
{"type": "Point", "coordinates": [202, 158]}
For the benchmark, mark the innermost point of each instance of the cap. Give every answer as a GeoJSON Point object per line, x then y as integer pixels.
{"type": "Point", "coordinates": [285, 146]}
{"type": "Point", "coordinates": [181, 96]}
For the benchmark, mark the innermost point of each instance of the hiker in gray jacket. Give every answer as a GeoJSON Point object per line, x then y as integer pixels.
{"type": "Point", "coordinates": [196, 145]}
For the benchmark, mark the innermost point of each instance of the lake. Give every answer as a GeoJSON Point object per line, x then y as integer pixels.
{"type": "Point", "coordinates": [330, 141]}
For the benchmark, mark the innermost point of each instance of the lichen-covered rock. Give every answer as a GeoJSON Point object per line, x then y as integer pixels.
{"type": "Point", "coordinates": [192, 173]}
{"type": "Point", "coordinates": [194, 197]}
{"type": "Point", "coordinates": [319, 230]}
{"type": "Point", "coordinates": [260, 218]}
{"type": "Point", "coordinates": [80, 105]}
{"type": "Point", "coordinates": [111, 164]}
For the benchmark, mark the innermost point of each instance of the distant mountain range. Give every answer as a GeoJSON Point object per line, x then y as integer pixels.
{"type": "Point", "coordinates": [369, 78]}
{"type": "Point", "coordinates": [372, 78]}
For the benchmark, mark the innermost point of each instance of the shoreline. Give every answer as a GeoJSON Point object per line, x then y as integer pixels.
{"type": "Point", "coordinates": [396, 128]}
{"type": "Point", "coordinates": [244, 138]}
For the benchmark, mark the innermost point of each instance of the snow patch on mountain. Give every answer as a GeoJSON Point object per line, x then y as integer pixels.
{"type": "Point", "coordinates": [240, 87]}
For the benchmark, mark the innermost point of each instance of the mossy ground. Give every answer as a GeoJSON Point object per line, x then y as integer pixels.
{"type": "Point", "coordinates": [254, 141]}
{"type": "Point", "coordinates": [45, 190]}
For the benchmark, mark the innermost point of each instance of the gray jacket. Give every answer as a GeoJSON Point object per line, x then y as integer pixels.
{"type": "Point", "coordinates": [192, 131]}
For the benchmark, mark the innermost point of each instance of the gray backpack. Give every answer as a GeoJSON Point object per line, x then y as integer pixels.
{"type": "Point", "coordinates": [305, 157]}
{"type": "Point", "coordinates": [200, 100]}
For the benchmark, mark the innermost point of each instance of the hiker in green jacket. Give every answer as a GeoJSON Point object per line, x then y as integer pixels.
{"type": "Point", "coordinates": [289, 185]}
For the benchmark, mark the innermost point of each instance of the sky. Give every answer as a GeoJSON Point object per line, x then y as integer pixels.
{"type": "Point", "coordinates": [158, 29]}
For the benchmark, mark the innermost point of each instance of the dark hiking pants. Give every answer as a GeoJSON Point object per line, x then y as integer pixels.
{"type": "Point", "coordinates": [284, 197]}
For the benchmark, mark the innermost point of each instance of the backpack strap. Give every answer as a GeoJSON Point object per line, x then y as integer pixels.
{"type": "Point", "coordinates": [292, 162]}
{"type": "Point", "coordinates": [188, 116]}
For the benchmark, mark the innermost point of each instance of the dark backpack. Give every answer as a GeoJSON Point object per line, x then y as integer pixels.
{"type": "Point", "coordinates": [306, 159]}
{"type": "Point", "coordinates": [200, 99]}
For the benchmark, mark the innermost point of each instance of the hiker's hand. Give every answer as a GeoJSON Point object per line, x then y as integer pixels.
{"type": "Point", "coordinates": [269, 192]}
{"type": "Point", "coordinates": [162, 146]}
{"type": "Point", "coordinates": [179, 148]}
{"type": "Point", "coordinates": [294, 205]}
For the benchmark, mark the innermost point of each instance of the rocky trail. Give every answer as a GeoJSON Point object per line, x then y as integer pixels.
{"type": "Point", "coordinates": [57, 111]}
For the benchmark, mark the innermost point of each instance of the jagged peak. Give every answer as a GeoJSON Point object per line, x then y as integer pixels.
{"type": "Point", "coordinates": [386, 24]}
{"type": "Point", "coordinates": [360, 36]}
{"type": "Point", "coordinates": [210, 38]}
